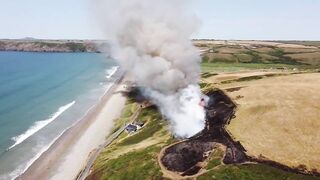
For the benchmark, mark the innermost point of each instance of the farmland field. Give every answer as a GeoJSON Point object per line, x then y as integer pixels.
{"type": "Point", "coordinates": [277, 116]}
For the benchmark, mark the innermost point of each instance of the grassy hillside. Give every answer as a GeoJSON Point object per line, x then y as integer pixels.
{"type": "Point", "coordinates": [135, 156]}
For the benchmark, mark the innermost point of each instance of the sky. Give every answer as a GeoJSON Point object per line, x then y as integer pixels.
{"type": "Point", "coordinates": [220, 19]}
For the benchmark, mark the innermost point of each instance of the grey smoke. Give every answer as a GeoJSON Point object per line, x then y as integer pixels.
{"type": "Point", "coordinates": [150, 39]}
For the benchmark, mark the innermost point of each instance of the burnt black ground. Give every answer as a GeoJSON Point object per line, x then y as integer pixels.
{"type": "Point", "coordinates": [184, 157]}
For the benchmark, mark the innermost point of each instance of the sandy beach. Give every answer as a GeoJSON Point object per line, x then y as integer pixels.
{"type": "Point", "coordinates": [69, 154]}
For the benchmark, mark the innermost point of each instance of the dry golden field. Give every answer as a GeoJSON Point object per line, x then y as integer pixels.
{"type": "Point", "coordinates": [310, 58]}
{"type": "Point", "coordinates": [222, 77]}
{"type": "Point", "coordinates": [277, 117]}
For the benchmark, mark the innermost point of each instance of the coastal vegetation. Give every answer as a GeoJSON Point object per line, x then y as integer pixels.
{"type": "Point", "coordinates": [135, 156]}
{"type": "Point", "coordinates": [139, 164]}
{"type": "Point", "coordinates": [125, 118]}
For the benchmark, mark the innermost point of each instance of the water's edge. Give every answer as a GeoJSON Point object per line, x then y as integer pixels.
{"type": "Point", "coordinates": [67, 131]}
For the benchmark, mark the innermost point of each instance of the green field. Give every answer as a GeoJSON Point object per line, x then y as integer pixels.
{"type": "Point", "coordinates": [271, 53]}
{"type": "Point", "coordinates": [233, 67]}
{"type": "Point", "coordinates": [251, 172]}
{"type": "Point", "coordinates": [139, 165]}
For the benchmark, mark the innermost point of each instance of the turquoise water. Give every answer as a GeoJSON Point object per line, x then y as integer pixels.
{"type": "Point", "coordinates": [41, 95]}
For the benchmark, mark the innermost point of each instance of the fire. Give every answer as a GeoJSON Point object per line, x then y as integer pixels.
{"type": "Point", "coordinates": [202, 103]}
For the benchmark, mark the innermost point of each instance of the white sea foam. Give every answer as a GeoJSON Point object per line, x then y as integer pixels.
{"type": "Point", "coordinates": [39, 125]}
{"type": "Point", "coordinates": [110, 72]}
{"type": "Point", "coordinates": [23, 168]}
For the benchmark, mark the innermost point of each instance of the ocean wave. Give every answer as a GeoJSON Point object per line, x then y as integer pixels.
{"type": "Point", "coordinates": [39, 125]}
{"type": "Point", "coordinates": [107, 87]}
{"type": "Point", "coordinates": [23, 168]}
{"type": "Point", "coordinates": [110, 72]}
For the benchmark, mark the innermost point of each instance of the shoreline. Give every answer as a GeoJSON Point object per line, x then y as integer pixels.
{"type": "Point", "coordinates": [79, 140]}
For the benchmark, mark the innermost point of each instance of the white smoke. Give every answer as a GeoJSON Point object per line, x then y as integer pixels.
{"type": "Point", "coordinates": [151, 41]}
{"type": "Point", "coordinates": [182, 109]}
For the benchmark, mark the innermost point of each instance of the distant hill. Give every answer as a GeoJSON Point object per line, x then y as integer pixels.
{"type": "Point", "coordinates": [29, 39]}
{"type": "Point", "coordinates": [34, 45]}
{"type": "Point", "coordinates": [213, 51]}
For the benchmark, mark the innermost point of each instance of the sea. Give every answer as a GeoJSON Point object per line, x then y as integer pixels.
{"type": "Point", "coordinates": [41, 96]}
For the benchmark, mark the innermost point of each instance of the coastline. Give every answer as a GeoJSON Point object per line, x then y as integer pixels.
{"type": "Point", "coordinates": [43, 45]}
{"type": "Point", "coordinates": [66, 157]}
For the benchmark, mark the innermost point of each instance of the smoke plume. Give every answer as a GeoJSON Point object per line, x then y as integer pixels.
{"type": "Point", "coordinates": [150, 39]}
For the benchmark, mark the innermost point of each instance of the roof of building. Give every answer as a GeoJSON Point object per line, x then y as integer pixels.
{"type": "Point", "coordinates": [131, 128]}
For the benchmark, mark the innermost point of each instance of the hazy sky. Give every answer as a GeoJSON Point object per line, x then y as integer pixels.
{"type": "Point", "coordinates": [221, 19]}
